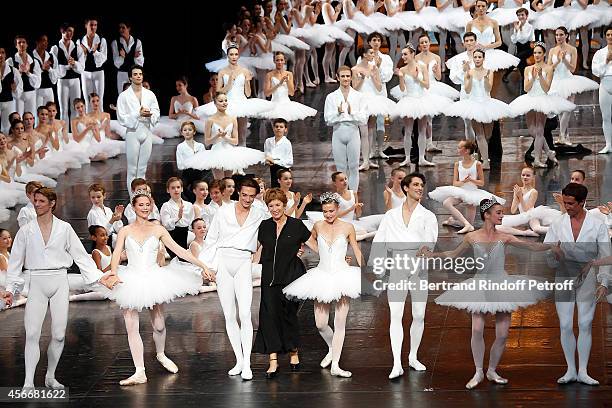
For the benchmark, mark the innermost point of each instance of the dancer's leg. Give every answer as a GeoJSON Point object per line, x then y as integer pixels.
{"type": "Point", "coordinates": [450, 204]}
{"type": "Point", "coordinates": [146, 146]}
{"type": "Point", "coordinates": [314, 64]}
{"type": "Point", "coordinates": [227, 296]}
{"type": "Point", "coordinates": [417, 327]}
{"type": "Point", "coordinates": [502, 327]}
{"type": "Point", "coordinates": [35, 311]}
{"type": "Point", "coordinates": [88, 86]}
{"type": "Point", "coordinates": [469, 130]}
{"type": "Point", "coordinates": [339, 150]}
{"type": "Point", "coordinates": [565, 311]}
{"type": "Point", "coordinates": [63, 96]}
{"type": "Point", "coordinates": [605, 104]}
{"type": "Point", "coordinates": [321, 315]}
{"type": "Point", "coordinates": [243, 285]}
{"type": "Point", "coordinates": [564, 120]}
{"type": "Point", "coordinates": [352, 150]}
{"type": "Point", "coordinates": [586, 311]}
{"type": "Point", "coordinates": [58, 305]}
{"type": "Point", "coordinates": [397, 302]}
{"type": "Point", "coordinates": [300, 62]}
{"type": "Point", "coordinates": [586, 46]}
{"type": "Point", "coordinates": [408, 126]}
{"type": "Point", "coordinates": [132, 323]}
{"type": "Point", "coordinates": [478, 348]}
{"type": "Point", "coordinates": [342, 309]}
{"type": "Point", "coordinates": [75, 92]}
{"type": "Point", "coordinates": [442, 48]}
{"type": "Point", "coordinates": [328, 62]}
{"type": "Point", "coordinates": [242, 131]}
{"type": "Point", "coordinates": [422, 141]}
{"type": "Point", "coordinates": [364, 133]}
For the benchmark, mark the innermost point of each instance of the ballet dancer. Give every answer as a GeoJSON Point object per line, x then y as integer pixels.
{"type": "Point", "coordinates": [70, 65]}
{"type": "Point", "coordinates": [404, 230]}
{"type": "Point", "coordinates": [138, 111]}
{"type": "Point", "coordinates": [6, 241]}
{"type": "Point", "coordinates": [200, 208]}
{"type": "Point", "coordinates": [127, 52]}
{"type": "Point", "coordinates": [46, 248]}
{"type": "Point", "coordinates": [30, 72]}
{"type": "Point", "coordinates": [184, 151]}
{"type": "Point", "coordinates": [10, 91]}
{"type": "Point", "coordinates": [48, 73]}
{"type": "Point", "coordinates": [602, 68]}
{"type": "Point", "coordinates": [582, 238]}
{"type": "Point", "coordinates": [95, 53]}
{"type": "Point", "coordinates": [293, 208]}
{"type": "Point", "coordinates": [343, 111]}
{"type": "Point", "coordinates": [394, 195]}
{"type": "Point", "coordinates": [332, 280]}
{"type": "Point", "coordinates": [522, 36]}
{"type": "Point", "coordinates": [130, 215]}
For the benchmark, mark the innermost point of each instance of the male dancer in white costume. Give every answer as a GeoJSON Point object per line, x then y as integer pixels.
{"type": "Point", "coordinates": [138, 111]}
{"type": "Point", "coordinates": [403, 232]}
{"type": "Point", "coordinates": [602, 68]}
{"type": "Point", "coordinates": [46, 247]}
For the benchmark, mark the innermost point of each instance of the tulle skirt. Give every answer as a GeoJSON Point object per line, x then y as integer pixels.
{"type": "Point", "coordinates": [359, 23]}
{"type": "Point", "coordinates": [411, 20]}
{"type": "Point", "coordinates": [573, 85]}
{"type": "Point", "coordinates": [507, 16]}
{"type": "Point", "coordinates": [364, 225]}
{"type": "Point", "coordinates": [75, 150]}
{"type": "Point", "coordinates": [168, 128]}
{"type": "Point", "coordinates": [291, 42]}
{"type": "Point", "coordinates": [326, 286]}
{"type": "Point", "coordinates": [12, 194]}
{"type": "Point", "coordinates": [375, 105]}
{"type": "Point", "coordinates": [497, 59]}
{"type": "Point", "coordinates": [429, 104]}
{"type": "Point", "coordinates": [145, 288]}
{"type": "Point", "coordinates": [241, 108]}
{"type": "Point", "coordinates": [455, 19]}
{"type": "Point", "coordinates": [575, 18]}
{"type": "Point", "coordinates": [335, 34]}
{"type": "Point", "coordinates": [311, 36]}
{"type": "Point", "coordinates": [469, 194]}
{"type": "Point", "coordinates": [544, 214]}
{"type": "Point", "coordinates": [547, 20]}
{"type": "Point", "coordinates": [442, 89]}
{"type": "Point", "coordinates": [28, 175]}
{"type": "Point", "coordinates": [546, 104]}
{"type": "Point", "coordinates": [107, 148]}
{"type": "Point", "coordinates": [603, 12]}
{"type": "Point", "coordinates": [224, 156]}
{"type": "Point", "coordinates": [483, 110]}
{"type": "Point", "coordinates": [264, 62]}
{"type": "Point", "coordinates": [290, 111]}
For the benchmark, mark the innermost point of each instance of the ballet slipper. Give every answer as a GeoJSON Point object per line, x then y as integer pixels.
{"type": "Point", "coordinates": [539, 164]}
{"type": "Point", "coordinates": [552, 157]}
{"type": "Point", "coordinates": [466, 229]}
{"type": "Point", "coordinates": [486, 165]}
{"type": "Point", "coordinates": [139, 377]}
{"type": "Point", "coordinates": [568, 377]}
{"type": "Point", "coordinates": [51, 382]}
{"type": "Point", "coordinates": [330, 81]}
{"type": "Point", "coordinates": [27, 387]}
{"type": "Point", "coordinates": [416, 364]}
{"type": "Point", "coordinates": [426, 163]}
{"type": "Point", "coordinates": [316, 81]}
{"type": "Point", "coordinates": [236, 370]}
{"type": "Point", "coordinates": [586, 379]}
{"type": "Point", "coordinates": [476, 379]}
{"type": "Point", "coordinates": [246, 374]}
{"type": "Point", "coordinates": [496, 378]}
{"type": "Point", "coordinates": [327, 360]}
{"type": "Point", "coordinates": [309, 84]}
{"type": "Point", "coordinates": [365, 166]}
{"type": "Point", "coordinates": [449, 221]}
{"type": "Point", "coordinates": [167, 363]}
{"type": "Point", "coordinates": [338, 372]}
{"type": "Point", "coordinates": [396, 372]}
{"type": "Point", "coordinates": [432, 148]}
{"type": "Point", "coordinates": [605, 150]}
{"type": "Point", "coordinates": [405, 163]}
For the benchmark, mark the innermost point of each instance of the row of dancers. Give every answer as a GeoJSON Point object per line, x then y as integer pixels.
{"type": "Point", "coordinates": [46, 246]}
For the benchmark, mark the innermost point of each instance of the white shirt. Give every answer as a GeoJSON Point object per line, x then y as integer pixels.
{"type": "Point", "coordinates": [334, 100]}
{"type": "Point", "coordinates": [593, 242]}
{"type": "Point", "coordinates": [53, 74]}
{"type": "Point", "coordinates": [130, 214]}
{"type": "Point", "coordinates": [17, 78]}
{"type": "Point", "coordinates": [26, 214]}
{"type": "Point", "coordinates": [101, 216]}
{"type": "Point", "coordinates": [455, 65]}
{"type": "Point", "coordinates": [101, 53]}
{"type": "Point", "coordinates": [79, 65]}
{"type": "Point", "coordinates": [33, 77]}
{"type": "Point", "coordinates": [184, 152]}
{"type": "Point", "coordinates": [524, 35]}
{"type": "Point", "coordinates": [118, 60]}
{"type": "Point", "coordinates": [128, 109]}
{"type": "Point", "coordinates": [30, 252]}
{"type": "Point", "coordinates": [225, 232]}
{"type": "Point", "coordinates": [169, 215]}
{"type": "Point", "coordinates": [600, 67]}
{"type": "Point", "coordinates": [281, 151]}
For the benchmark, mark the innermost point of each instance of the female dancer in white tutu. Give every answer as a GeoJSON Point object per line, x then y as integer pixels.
{"type": "Point", "coordinates": [66, 144]}
{"type": "Point", "coordinates": [488, 245]}
{"type": "Point", "coordinates": [222, 132]}
{"type": "Point", "coordinates": [524, 198]}
{"type": "Point", "coordinates": [448, 9]}
{"type": "Point", "coordinates": [478, 106]}
{"type": "Point", "coordinates": [467, 177]}
{"type": "Point", "coordinates": [546, 19]}
{"type": "Point", "coordinates": [293, 208]}
{"type": "Point", "coordinates": [367, 80]}
{"type": "Point", "coordinates": [331, 281]}
{"type": "Point", "coordinates": [393, 195]}
{"type": "Point", "coordinates": [279, 84]}
{"type": "Point", "coordinates": [433, 65]}
{"type": "Point", "coordinates": [86, 131]}
{"type": "Point", "coordinates": [147, 285]}
{"type": "Point", "coordinates": [537, 103]}
{"type": "Point", "coordinates": [6, 240]}
{"type": "Point", "coordinates": [563, 58]}
{"type": "Point", "coordinates": [23, 148]}
{"type": "Point", "coordinates": [182, 109]}
{"type": "Point", "coordinates": [577, 16]}
{"type": "Point", "coordinates": [602, 68]}
{"type": "Point", "coordinates": [416, 102]}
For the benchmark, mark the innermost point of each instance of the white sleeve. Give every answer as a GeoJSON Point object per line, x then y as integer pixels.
{"type": "Point", "coordinates": [101, 54]}
{"type": "Point", "coordinates": [287, 159]}
{"type": "Point", "coordinates": [456, 74]}
{"type": "Point", "coordinates": [14, 278]}
{"type": "Point", "coordinates": [125, 114]}
{"type": "Point", "coordinates": [140, 59]}
{"type": "Point", "coordinates": [60, 69]}
{"type": "Point", "coordinates": [19, 88]}
{"type": "Point", "coordinates": [599, 65]}
{"type": "Point", "coordinates": [330, 112]}
{"type": "Point", "coordinates": [386, 69]}
{"type": "Point", "coordinates": [167, 219]}
{"type": "Point", "coordinates": [35, 77]}
{"type": "Point", "coordinates": [117, 58]}
{"type": "Point", "coordinates": [181, 157]}
{"type": "Point", "coordinates": [604, 250]}
{"type": "Point", "coordinates": [79, 65]}
{"type": "Point", "coordinates": [22, 217]}
{"type": "Point", "coordinates": [155, 112]}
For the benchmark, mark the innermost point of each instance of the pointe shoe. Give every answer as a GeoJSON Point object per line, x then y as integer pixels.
{"type": "Point", "coordinates": [466, 229]}
{"type": "Point", "coordinates": [330, 81]}
{"type": "Point", "coordinates": [327, 360]}
{"type": "Point", "coordinates": [382, 155]}
{"type": "Point", "coordinates": [552, 157]}
{"type": "Point", "coordinates": [51, 382]}
{"type": "Point", "coordinates": [236, 370]}
{"type": "Point", "coordinates": [584, 378]}
{"type": "Point", "coordinates": [605, 150]}
{"type": "Point", "coordinates": [539, 164]}
{"type": "Point", "coordinates": [338, 372]}
{"type": "Point", "coordinates": [426, 163]}
{"type": "Point", "coordinates": [496, 378]}
{"type": "Point", "coordinates": [416, 364]}
{"type": "Point", "coordinates": [396, 372]}
{"type": "Point", "coordinates": [449, 221]}
{"type": "Point", "coordinates": [316, 81]}
{"type": "Point", "coordinates": [432, 148]}
{"type": "Point", "coordinates": [138, 377]}
{"type": "Point", "coordinates": [246, 374]}
{"type": "Point", "coordinates": [567, 378]}
{"type": "Point", "coordinates": [310, 85]}
{"type": "Point", "coordinates": [167, 363]}
{"type": "Point", "coordinates": [365, 166]}
{"type": "Point", "coordinates": [486, 164]}
{"type": "Point", "coordinates": [405, 163]}
{"type": "Point", "coordinates": [476, 379]}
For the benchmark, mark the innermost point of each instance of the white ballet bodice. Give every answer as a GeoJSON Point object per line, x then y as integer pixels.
{"type": "Point", "coordinates": [290, 202]}
{"type": "Point", "coordinates": [326, 18]}
{"type": "Point", "coordinates": [471, 171]}
{"type": "Point", "coordinates": [368, 86]}
{"type": "Point", "coordinates": [575, 4]}
{"type": "Point", "coordinates": [524, 201]}
{"type": "Point", "coordinates": [485, 37]}
{"type": "Point", "coordinates": [413, 87]}
{"type": "Point", "coordinates": [493, 257]}
{"type": "Point", "coordinates": [280, 94]}
{"type": "Point", "coordinates": [142, 255]}
{"type": "Point", "coordinates": [187, 106]}
{"type": "Point", "coordinates": [478, 89]}
{"type": "Point", "coordinates": [536, 88]}
{"type": "Point", "coordinates": [510, 4]}
{"type": "Point", "coordinates": [236, 92]}
{"type": "Point", "coordinates": [561, 70]}
{"type": "Point", "coordinates": [548, 7]}
{"type": "Point", "coordinates": [345, 205]}
{"type": "Point", "coordinates": [105, 260]}
{"type": "Point", "coordinates": [89, 138]}
{"type": "Point", "coordinates": [332, 254]}
{"type": "Point", "coordinates": [396, 201]}
{"type": "Point", "coordinates": [430, 71]}
{"type": "Point", "coordinates": [394, 6]}
{"type": "Point", "coordinates": [220, 143]}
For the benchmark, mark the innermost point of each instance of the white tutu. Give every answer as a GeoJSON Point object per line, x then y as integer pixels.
{"type": "Point", "coordinates": [547, 20]}
{"type": "Point", "coordinates": [107, 147]}
{"type": "Point", "coordinates": [165, 130]}
{"type": "Point", "coordinates": [250, 108]}
{"type": "Point", "coordinates": [544, 214]}
{"type": "Point", "coordinates": [364, 225]}
{"type": "Point", "coordinates": [357, 24]}
{"type": "Point", "coordinates": [377, 21]}
{"type": "Point", "coordinates": [442, 89]}
{"type": "Point", "coordinates": [145, 284]}
{"type": "Point", "coordinates": [291, 42]}
{"type": "Point", "coordinates": [216, 65]}
{"type": "Point", "coordinates": [224, 156]}
{"type": "Point", "coordinates": [603, 11]}
{"type": "Point", "coordinates": [75, 150]}
{"type": "Point", "coordinates": [290, 111]}
{"type": "Point", "coordinates": [411, 20]}
{"type": "Point", "coordinates": [375, 105]}
{"type": "Point", "coordinates": [429, 104]}
{"type": "Point", "coordinates": [12, 194]}
{"type": "Point", "coordinates": [547, 104]}
{"type": "Point", "coordinates": [468, 193]}
{"type": "Point", "coordinates": [455, 19]}
{"type": "Point", "coordinates": [483, 110]}
{"type": "Point", "coordinates": [504, 16]}
{"type": "Point", "coordinates": [5, 214]}
{"type": "Point", "coordinates": [311, 35]}
{"type": "Point", "coordinates": [497, 59]}
{"type": "Point", "coordinates": [278, 47]}
{"type": "Point", "coordinates": [335, 34]}
{"type": "Point", "coordinates": [576, 17]}
{"type": "Point", "coordinates": [27, 175]}
{"type": "Point", "coordinates": [573, 85]}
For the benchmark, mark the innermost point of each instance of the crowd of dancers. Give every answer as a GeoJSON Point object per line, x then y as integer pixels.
{"type": "Point", "coordinates": [224, 233]}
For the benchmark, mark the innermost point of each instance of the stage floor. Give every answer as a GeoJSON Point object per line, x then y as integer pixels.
{"type": "Point", "coordinates": [96, 355]}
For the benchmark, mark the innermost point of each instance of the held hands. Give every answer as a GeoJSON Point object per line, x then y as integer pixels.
{"type": "Point", "coordinates": [71, 62]}
{"type": "Point", "coordinates": [207, 274]}
{"type": "Point", "coordinates": [24, 68]}
{"type": "Point", "coordinates": [7, 297]}
{"type": "Point", "coordinates": [46, 65]}
{"type": "Point", "coordinates": [110, 279]}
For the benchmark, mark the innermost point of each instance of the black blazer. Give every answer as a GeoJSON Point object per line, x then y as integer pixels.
{"type": "Point", "coordinates": [280, 264]}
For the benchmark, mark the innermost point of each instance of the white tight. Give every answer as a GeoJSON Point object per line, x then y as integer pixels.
{"type": "Point", "coordinates": [395, 38]}
{"type": "Point", "coordinates": [469, 130]}
{"type": "Point", "coordinates": [502, 326]}
{"type": "Point", "coordinates": [367, 133]}
{"type": "Point", "coordinates": [6, 108]}
{"type": "Point", "coordinates": [242, 130]}
{"type": "Point", "coordinates": [535, 124]}
{"type": "Point", "coordinates": [132, 326]}
{"type": "Point", "coordinates": [605, 104]}
{"type": "Point", "coordinates": [345, 148]}
{"type": "Point", "coordinates": [122, 78]}
{"type": "Point", "coordinates": [442, 47]}
{"type": "Point", "coordinates": [138, 146]}
{"type": "Point", "coordinates": [584, 41]}
{"type": "Point", "coordinates": [483, 133]}
{"type": "Point", "coordinates": [422, 141]}
{"type": "Point", "coordinates": [235, 284]}
{"type": "Point", "coordinates": [329, 58]}
{"type": "Point", "coordinates": [506, 32]}
{"type": "Point", "coordinates": [450, 204]}
{"type": "Point", "coordinates": [45, 291]}
{"type": "Point", "coordinates": [314, 64]}
{"type": "Point", "coordinates": [333, 338]}
{"type": "Point", "coordinates": [564, 120]}
{"type": "Point", "coordinates": [27, 103]}
{"type": "Point", "coordinates": [261, 80]}
{"type": "Point", "coordinates": [92, 82]}
{"type": "Point", "coordinates": [44, 95]}
{"type": "Point", "coordinates": [346, 50]}
{"type": "Point", "coordinates": [67, 91]}
{"type": "Point", "coordinates": [300, 64]}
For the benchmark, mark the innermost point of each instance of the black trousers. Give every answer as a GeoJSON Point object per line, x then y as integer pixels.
{"type": "Point", "coordinates": [189, 177]}
{"type": "Point", "coordinates": [278, 331]}
{"type": "Point", "coordinates": [273, 175]}
{"type": "Point", "coordinates": [523, 52]}
{"type": "Point", "coordinates": [179, 235]}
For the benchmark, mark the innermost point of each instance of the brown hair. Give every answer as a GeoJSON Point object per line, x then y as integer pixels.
{"type": "Point", "coordinates": [188, 123]}
{"type": "Point", "coordinates": [49, 194]}
{"type": "Point", "coordinates": [275, 194]}
{"type": "Point", "coordinates": [470, 145]}
{"type": "Point", "coordinates": [138, 182]}
{"type": "Point", "coordinates": [32, 186]}
{"type": "Point", "coordinates": [96, 187]}
{"type": "Point", "coordinates": [173, 180]}
{"type": "Point", "coordinates": [215, 184]}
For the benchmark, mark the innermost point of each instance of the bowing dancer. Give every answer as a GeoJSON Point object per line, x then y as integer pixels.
{"type": "Point", "coordinates": [280, 238]}
{"type": "Point", "coordinates": [127, 52]}
{"type": "Point", "coordinates": [95, 52]}
{"type": "Point", "coordinates": [582, 238]}
{"type": "Point", "coordinates": [46, 248]}
{"type": "Point", "coordinates": [602, 68]}
{"type": "Point", "coordinates": [230, 243]}
{"type": "Point", "coordinates": [30, 72]}
{"type": "Point", "coordinates": [48, 71]}
{"type": "Point", "coordinates": [10, 91]}
{"type": "Point", "coordinates": [332, 280]}
{"type": "Point", "coordinates": [403, 231]}
{"type": "Point", "coordinates": [70, 65]}
{"type": "Point", "coordinates": [344, 112]}
{"type": "Point", "coordinates": [146, 285]}
{"type": "Point", "coordinates": [138, 111]}
{"type": "Point", "coordinates": [489, 245]}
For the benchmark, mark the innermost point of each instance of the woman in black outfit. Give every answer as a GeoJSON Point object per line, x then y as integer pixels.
{"type": "Point", "coordinates": [280, 237]}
